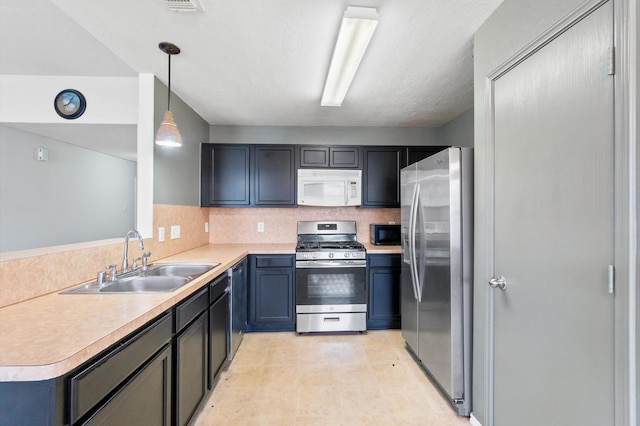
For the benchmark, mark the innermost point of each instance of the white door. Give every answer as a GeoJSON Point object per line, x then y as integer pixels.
{"type": "Point", "coordinates": [553, 219]}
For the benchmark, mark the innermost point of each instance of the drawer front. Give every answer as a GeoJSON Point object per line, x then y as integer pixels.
{"type": "Point", "coordinates": [101, 377]}
{"type": "Point", "coordinates": [274, 261]}
{"type": "Point", "coordinates": [384, 260]}
{"type": "Point", "coordinates": [218, 287]}
{"type": "Point", "coordinates": [189, 309]}
{"type": "Point", "coordinates": [309, 323]}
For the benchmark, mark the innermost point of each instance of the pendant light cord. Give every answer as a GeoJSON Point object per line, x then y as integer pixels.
{"type": "Point", "coordinates": [169, 86]}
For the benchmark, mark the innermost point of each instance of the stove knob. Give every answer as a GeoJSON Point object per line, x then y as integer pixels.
{"type": "Point", "coordinates": [330, 255]}
{"type": "Point", "coordinates": [346, 254]}
{"type": "Point", "coordinates": [315, 255]}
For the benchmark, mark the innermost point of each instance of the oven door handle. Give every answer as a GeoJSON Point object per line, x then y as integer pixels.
{"type": "Point", "coordinates": [330, 264]}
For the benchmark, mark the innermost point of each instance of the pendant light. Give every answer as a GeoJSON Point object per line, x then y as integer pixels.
{"type": "Point", "coordinates": [168, 134]}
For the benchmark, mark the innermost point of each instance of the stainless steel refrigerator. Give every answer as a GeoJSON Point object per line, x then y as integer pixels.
{"type": "Point", "coordinates": [437, 269]}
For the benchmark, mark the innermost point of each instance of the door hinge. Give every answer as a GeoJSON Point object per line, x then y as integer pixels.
{"type": "Point", "coordinates": [611, 279]}
{"type": "Point", "coordinates": [611, 66]}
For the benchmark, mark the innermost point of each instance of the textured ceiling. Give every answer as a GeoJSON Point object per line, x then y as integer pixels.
{"type": "Point", "coordinates": [256, 62]}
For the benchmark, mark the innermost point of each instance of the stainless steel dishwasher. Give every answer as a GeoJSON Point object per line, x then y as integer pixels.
{"type": "Point", "coordinates": [237, 306]}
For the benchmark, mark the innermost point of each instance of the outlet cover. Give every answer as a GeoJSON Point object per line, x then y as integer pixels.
{"type": "Point", "coordinates": [260, 226]}
{"type": "Point", "coordinates": [161, 234]}
{"type": "Point", "coordinates": [206, 227]}
{"type": "Point", "coordinates": [175, 232]}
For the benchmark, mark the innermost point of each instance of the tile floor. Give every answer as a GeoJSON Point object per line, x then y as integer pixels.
{"type": "Point", "coordinates": [349, 379]}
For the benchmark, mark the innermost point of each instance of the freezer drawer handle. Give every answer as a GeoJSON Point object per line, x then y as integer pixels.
{"type": "Point", "coordinates": [331, 319]}
{"type": "Point", "coordinates": [499, 282]}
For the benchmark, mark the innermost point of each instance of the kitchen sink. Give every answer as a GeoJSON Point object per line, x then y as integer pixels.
{"type": "Point", "coordinates": [158, 278]}
{"type": "Point", "coordinates": [154, 284]}
{"type": "Point", "coordinates": [182, 270]}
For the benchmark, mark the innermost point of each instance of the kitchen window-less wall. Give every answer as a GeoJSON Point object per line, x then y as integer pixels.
{"type": "Point", "coordinates": [458, 132]}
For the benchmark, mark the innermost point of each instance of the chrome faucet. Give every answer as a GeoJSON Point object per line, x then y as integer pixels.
{"type": "Point", "coordinates": [125, 259]}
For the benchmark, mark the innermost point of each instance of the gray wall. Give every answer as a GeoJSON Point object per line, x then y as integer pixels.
{"type": "Point", "coordinates": [325, 135]}
{"type": "Point", "coordinates": [513, 25]}
{"type": "Point", "coordinates": [77, 195]}
{"type": "Point", "coordinates": [459, 131]}
{"type": "Point", "coordinates": [176, 171]}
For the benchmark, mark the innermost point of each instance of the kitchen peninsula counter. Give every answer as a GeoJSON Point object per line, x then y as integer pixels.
{"type": "Point", "coordinates": [48, 336]}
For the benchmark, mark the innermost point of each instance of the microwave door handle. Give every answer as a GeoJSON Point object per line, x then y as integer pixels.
{"type": "Point", "coordinates": [346, 193]}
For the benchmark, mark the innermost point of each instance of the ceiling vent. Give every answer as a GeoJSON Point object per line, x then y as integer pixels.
{"type": "Point", "coordinates": [185, 5]}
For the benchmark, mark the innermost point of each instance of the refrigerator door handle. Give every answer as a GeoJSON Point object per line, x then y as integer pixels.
{"type": "Point", "coordinates": [412, 244]}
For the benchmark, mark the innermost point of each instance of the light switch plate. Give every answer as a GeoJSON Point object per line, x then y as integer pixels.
{"type": "Point", "coordinates": [161, 234]}
{"type": "Point", "coordinates": [175, 232]}
{"type": "Point", "coordinates": [206, 227]}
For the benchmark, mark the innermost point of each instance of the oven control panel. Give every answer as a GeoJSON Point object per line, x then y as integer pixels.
{"type": "Point", "coordinates": [324, 255]}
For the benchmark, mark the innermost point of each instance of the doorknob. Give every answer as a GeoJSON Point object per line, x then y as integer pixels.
{"type": "Point", "coordinates": [499, 282]}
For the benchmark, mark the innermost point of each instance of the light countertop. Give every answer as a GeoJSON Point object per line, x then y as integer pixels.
{"type": "Point", "coordinates": [49, 336]}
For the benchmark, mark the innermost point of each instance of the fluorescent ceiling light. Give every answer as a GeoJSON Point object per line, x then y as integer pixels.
{"type": "Point", "coordinates": [355, 33]}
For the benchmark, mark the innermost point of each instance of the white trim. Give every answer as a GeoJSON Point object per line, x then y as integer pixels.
{"type": "Point", "coordinates": [146, 132]}
{"type": "Point", "coordinates": [44, 251]}
{"type": "Point", "coordinates": [474, 421]}
{"type": "Point", "coordinates": [626, 136]}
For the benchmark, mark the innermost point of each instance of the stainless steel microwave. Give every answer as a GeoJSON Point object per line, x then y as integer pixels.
{"type": "Point", "coordinates": [385, 234]}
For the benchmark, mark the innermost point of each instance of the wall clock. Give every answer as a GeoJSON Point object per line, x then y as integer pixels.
{"type": "Point", "coordinates": [70, 104]}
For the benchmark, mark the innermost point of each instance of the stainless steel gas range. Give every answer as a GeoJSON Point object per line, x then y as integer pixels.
{"type": "Point", "coordinates": [331, 290]}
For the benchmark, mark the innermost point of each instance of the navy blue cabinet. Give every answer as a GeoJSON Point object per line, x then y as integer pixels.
{"type": "Point", "coordinates": [383, 310]}
{"type": "Point", "coordinates": [218, 326]}
{"type": "Point", "coordinates": [318, 156]}
{"type": "Point", "coordinates": [271, 293]}
{"type": "Point", "coordinates": [191, 355]}
{"type": "Point", "coordinates": [225, 175]}
{"type": "Point", "coordinates": [247, 175]}
{"type": "Point", "coordinates": [417, 153]}
{"type": "Point", "coordinates": [274, 176]}
{"type": "Point", "coordinates": [381, 176]}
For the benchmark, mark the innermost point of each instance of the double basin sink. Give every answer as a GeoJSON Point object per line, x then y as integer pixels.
{"type": "Point", "coordinates": [158, 278]}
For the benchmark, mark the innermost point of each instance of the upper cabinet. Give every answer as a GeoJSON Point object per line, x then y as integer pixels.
{"type": "Point", "coordinates": [248, 175]}
{"type": "Point", "coordinates": [417, 153]}
{"type": "Point", "coordinates": [265, 175]}
{"type": "Point", "coordinates": [225, 175]}
{"type": "Point", "coordinates": [381, 176]}
{"type": "Point", "coordinates": [274, 175]}
{"type": "Point", "coordinates": [340, 157]}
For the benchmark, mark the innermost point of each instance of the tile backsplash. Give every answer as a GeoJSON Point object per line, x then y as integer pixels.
{"type": "Point", "coordinates": [240, 225]}
{"type": "Point", "coordinates": [29, 275]}
{"type": "Point", "coordinates": [26, 276]}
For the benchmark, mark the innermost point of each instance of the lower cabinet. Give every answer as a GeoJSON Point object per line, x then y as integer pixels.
{"type": "Point", "coordinates": [271, 293]}
{"type": "Point", "coordinates": [218, 326]}
{"type": "Point", "coordinates": [383, 310]}
{"type": "Point", "coordinates": [158, 375]}
{"type": "Point", "coordinates": [191, 356]}
{"type": "Point", "coordinates": [145, 399]}
{"type": "Point", "coordinates": [101, 388]}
